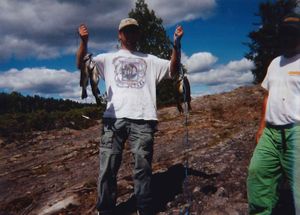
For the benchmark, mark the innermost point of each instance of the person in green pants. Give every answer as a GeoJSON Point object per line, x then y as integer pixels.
{"type": "Point", "coordinates": [278, 150]}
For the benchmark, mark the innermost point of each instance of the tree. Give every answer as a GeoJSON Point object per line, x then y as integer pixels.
{"type": "Point", "coordinates": [154, 41]}
{"type": "Point", "coordinates": [154, 38]}
{"type": "Point", "coordinates": [264, 45]}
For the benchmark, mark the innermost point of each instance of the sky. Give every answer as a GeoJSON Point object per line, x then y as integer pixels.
{"type": "Point", "coordinates": [39, 40]}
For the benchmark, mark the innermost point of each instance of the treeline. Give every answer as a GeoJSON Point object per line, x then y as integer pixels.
{"type": "Point", "coordinates": [23, 114]}
{"type": "Point", "coordinates": [17, 103]}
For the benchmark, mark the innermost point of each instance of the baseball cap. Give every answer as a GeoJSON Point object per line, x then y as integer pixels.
{"type": "Point", "coordinates": [128, 21]}
{"type": "Point", "coordinates": [291, 21]}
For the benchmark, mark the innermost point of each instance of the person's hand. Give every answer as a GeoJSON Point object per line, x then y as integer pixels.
{"type": "Point", "coordinates": [178, 34]}
{"type": "Point", "coordinates": [83, 33]}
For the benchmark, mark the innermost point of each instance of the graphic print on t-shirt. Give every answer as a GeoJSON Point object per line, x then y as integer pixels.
{"type": "Point", "coordinates": [130, 72]}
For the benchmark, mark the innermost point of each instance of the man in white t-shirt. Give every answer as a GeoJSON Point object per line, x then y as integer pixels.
{"type": "Point", "coordinates": [278, 150]}
{"type": "Point", "coordinates": [130, 79]}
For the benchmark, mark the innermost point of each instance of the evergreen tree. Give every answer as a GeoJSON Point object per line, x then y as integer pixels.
{"type": "Point", "coordinates": [154, 40]}
{"type": "Point", "coordinates": [264, 45]}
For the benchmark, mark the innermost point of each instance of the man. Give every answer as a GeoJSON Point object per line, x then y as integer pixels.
{"type": "Point", "coordinates": [130, 78]}
{"type": "Point", "coordinates": [278, 149]}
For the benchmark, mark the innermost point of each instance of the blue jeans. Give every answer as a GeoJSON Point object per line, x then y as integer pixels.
{"type": "Point", "coordinates": [140, 136]}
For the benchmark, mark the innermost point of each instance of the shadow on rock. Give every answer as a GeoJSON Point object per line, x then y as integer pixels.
{"type": "Point", "coordinates": [165, 186]}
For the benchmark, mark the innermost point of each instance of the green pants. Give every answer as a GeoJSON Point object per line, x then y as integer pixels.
{"type": "Point", "coordinates": [277, 153]}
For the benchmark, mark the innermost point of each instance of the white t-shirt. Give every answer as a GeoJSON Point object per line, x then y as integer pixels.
{"type": "Point", "coordinates": [130, 80]}
{"type": "Point", "coordinates": [283, 83]}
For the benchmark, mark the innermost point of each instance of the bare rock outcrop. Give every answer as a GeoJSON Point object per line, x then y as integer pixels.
{"type": "Point", "coordinates": [55, 172]}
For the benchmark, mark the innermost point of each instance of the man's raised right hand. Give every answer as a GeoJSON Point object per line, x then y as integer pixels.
{"type": "Point", "coordinates": [83, 33]}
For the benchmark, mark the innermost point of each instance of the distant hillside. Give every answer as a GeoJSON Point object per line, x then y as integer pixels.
{"type": "Point", "coordinates": [23, 114]}
{"type": "Point", "coordinates": [17, 103]}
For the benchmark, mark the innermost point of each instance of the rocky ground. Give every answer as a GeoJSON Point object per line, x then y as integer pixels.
{"type": "Point", "coordinates": [55, 172]}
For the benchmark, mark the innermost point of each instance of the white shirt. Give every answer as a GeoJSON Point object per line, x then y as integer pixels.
{"type": "Point", "coordinates": [130, 80]}
{"type": "Point", "coordinates": [283, 83]}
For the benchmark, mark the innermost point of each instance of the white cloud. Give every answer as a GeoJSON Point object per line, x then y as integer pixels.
{"type": "Point", "coordinates": [198, 62]}
{"type": "Point", "coordinates": [47, 29]}
{"type": "Point", "coordinates": [42, 81]}
{"type": "Point", "coordinates": [239, 74]}
{"type": "Point", "coordinates": [176, 11]}
{"type": "Point", "coordinates": [217, 78]}
{"type": "Point", "coordinates": [22, 48]}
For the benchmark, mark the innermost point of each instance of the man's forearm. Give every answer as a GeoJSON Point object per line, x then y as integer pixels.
{"type": "Point", "coordinates": [175, 61]}
{"type": "Point", "coordinates": [262, 123]}
{"type": "Point", "coordinates": [263, 114]}
{"type": "Point", "coordinates": [81, 52]}
{"type": "Point", "coordinates": [176, 52]}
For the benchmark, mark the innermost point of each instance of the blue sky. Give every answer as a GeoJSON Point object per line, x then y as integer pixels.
{"type": "Point", "coordinates": [39, 41]}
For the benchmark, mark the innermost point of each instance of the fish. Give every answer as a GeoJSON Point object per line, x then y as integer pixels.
{"type": "Point", "coordinates": [181, 82]}
{"type": "Point", "coordinates": [183, 93]}
{"type": "Point", "coordinates": [84, 78]}
{"type": "Point", "coordinates": [89, 74]}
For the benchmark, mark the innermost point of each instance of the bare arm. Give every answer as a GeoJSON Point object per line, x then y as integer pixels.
{"type": "Point", "coordinates": [175, 58]}
{"type": "Point", "coordinates": [262, 120]}
{"type": "Point", "coordinates": [82, 50]}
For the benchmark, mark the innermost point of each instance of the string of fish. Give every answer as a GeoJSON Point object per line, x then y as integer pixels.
{"type": "Point", "coordinates": [185, 210]}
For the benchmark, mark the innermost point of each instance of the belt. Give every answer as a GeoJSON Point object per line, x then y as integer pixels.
{"type": "Point", "coordinates": [282, 128]}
